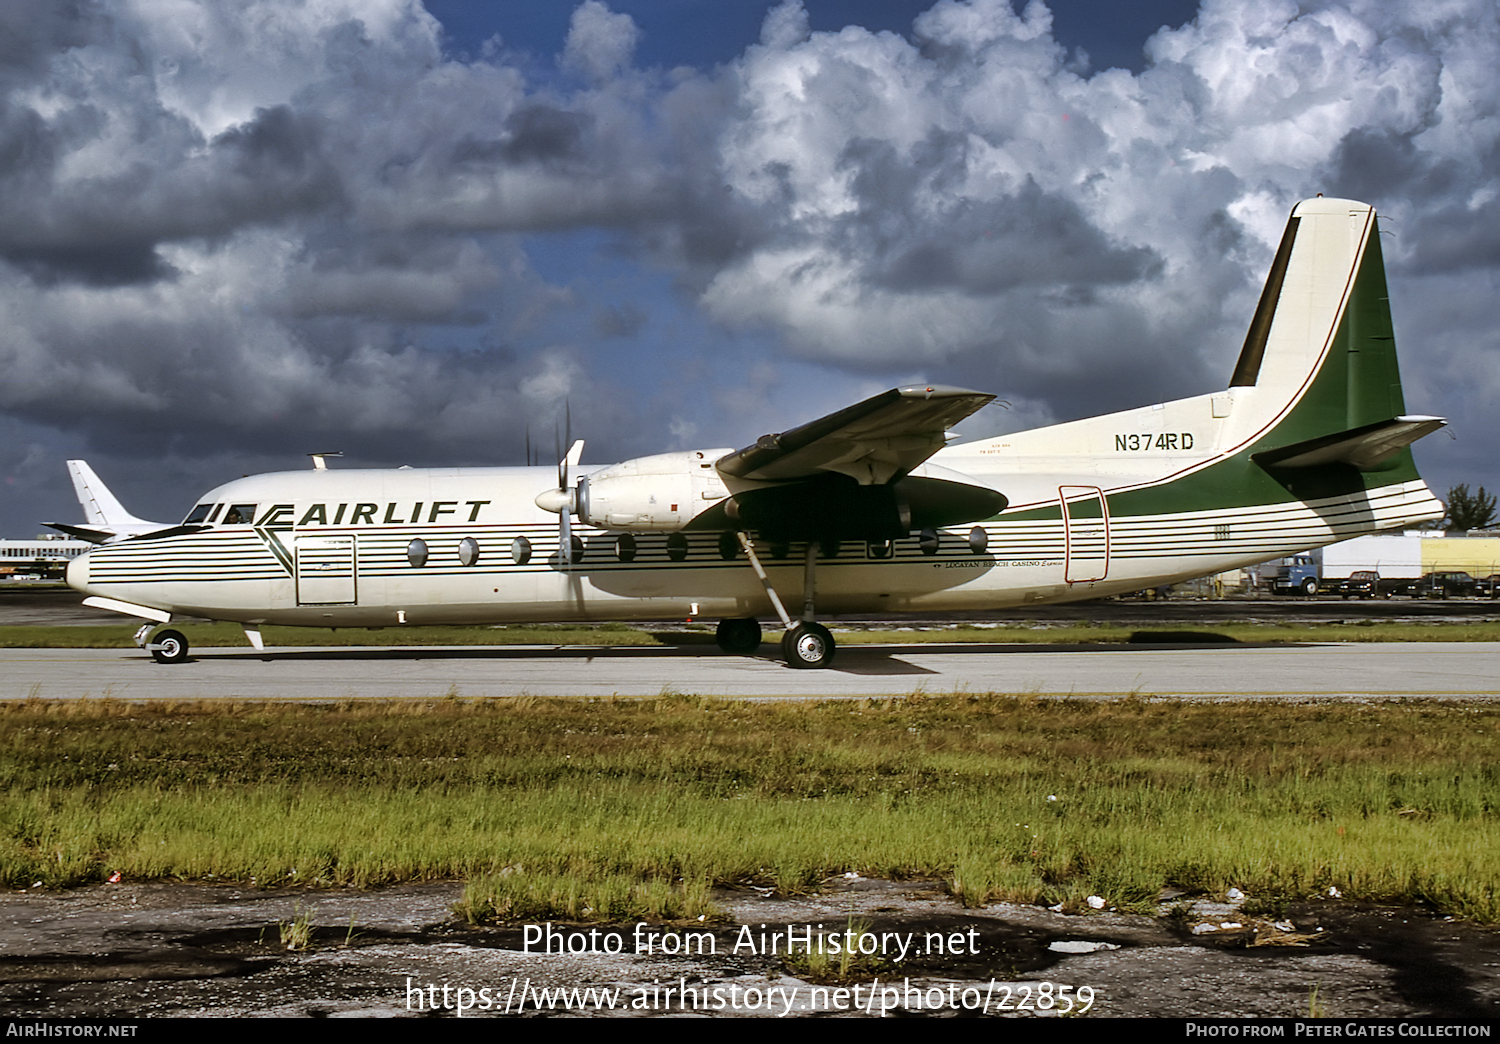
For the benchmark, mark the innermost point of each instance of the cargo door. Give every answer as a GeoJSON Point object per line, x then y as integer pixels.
{"type": "Point", "coordinates": [325, 570]}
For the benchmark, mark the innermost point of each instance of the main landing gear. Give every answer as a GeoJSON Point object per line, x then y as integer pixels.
{"type": "Point", "coordinates": [167, 646]}
{"type": "Point", "coordinates": [806, 642]}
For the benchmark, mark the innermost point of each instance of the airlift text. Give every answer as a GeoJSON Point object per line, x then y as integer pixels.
{"type": "Point", "coordinates": [364, 514]}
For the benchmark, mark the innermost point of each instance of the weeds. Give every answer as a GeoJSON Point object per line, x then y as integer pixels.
{"type": "Point", "coordinates": [834, 957]}
{"type": "Point", "coordinates": [296, 934]}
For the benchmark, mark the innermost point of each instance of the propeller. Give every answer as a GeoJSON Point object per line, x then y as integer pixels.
{"type": "Point", "coordinates": [563, 502]}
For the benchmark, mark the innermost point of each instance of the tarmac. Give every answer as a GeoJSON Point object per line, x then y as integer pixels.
{"type": "Point", "coordinates": [1353, 671]}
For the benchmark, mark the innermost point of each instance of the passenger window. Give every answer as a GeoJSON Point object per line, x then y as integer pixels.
{"type": "Point", "coordinates": [239, 515]}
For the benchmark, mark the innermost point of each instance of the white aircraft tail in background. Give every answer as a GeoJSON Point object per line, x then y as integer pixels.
{"type": "Point", "coordinates": [105, 518]}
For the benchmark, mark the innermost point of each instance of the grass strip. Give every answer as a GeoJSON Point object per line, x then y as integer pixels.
{"type": "Point", "coordinates": [625, 808]}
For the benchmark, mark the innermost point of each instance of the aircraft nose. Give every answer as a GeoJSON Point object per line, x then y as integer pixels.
{"type": "Point", "coordinates": [77, 573]}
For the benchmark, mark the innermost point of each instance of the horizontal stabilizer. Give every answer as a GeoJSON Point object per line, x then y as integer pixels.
{"type": "Point", "coordinates": [93, 536]}
{"type": "Point", "coordinates": [1365, 447]}
{"type": "Point", "coordinates": [873, 442]}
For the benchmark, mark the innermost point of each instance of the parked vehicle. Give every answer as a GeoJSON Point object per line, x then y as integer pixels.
{"type": "Point", "coordinates": [1488, 587]}
{"type": "Point", "coordinates": [1296, 575]}
{"type": "Point", "coordinates": [1362, 583]}
{"type": "Point", "coordinates": [1438, 585]}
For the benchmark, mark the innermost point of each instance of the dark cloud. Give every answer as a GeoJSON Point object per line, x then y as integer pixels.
{"type": "Point", "coordinates": [1373, 163]}
{"type": "Point", "coordinates": [1459, 239]}
{"type": "Point", "coordinates": [99, 264]}
{"type": "Point", "coordinates": [31, 34]}
{"type": "Point", "coordinates": [273, 167]}
{"type": "Point", "coordinates": [540, 134]}
{"type": "Point", "coordinates": [1029, 239]}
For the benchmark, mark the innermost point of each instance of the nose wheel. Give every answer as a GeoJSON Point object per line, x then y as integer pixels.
{"type": "Point", "coordinates": [168, 647]}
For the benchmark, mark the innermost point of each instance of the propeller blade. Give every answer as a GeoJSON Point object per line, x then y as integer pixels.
{"type": "Point", "coordinates": [569, 501]}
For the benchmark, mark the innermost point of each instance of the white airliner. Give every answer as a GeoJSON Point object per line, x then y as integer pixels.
{"type": "Point", "coordinates": [866, 510]}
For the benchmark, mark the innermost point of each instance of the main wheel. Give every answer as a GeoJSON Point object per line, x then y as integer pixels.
{"type": "Point", "coordinates": [741, 636]}
{"type": "Point", "coordinates": [807, 644]}
{"type": "Point", "coordinates": [168, 647]}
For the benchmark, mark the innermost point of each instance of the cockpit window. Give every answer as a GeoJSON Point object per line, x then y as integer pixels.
{"type": "Point", "coordinates": [239, 515]}
{"type": "Point", "coordinates": [198, 514]}
{"type": "Point", "coordinates": [212, 515]}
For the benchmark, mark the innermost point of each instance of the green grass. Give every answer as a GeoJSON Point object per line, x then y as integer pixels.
{"type": "Point", "coordinates": [608, 810]}
{"type": "Point", "coordinates": [221, 635]}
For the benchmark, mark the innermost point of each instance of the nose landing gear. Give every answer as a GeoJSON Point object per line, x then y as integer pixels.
{"type": "Point", "coordinates": [167, 646]}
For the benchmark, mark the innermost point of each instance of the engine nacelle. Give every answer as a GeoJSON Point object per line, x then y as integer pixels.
{"type": "Point", "coordinates": [656, 494]}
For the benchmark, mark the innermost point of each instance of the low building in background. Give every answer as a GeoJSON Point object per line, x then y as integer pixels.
{"type": "Point", "coordinates": [44, 558]}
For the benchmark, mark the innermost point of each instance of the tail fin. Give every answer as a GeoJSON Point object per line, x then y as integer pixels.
{"type": "Point", "coordinates": [1320, 355]}
{"type": "Point", "coordinates": [100, 506]}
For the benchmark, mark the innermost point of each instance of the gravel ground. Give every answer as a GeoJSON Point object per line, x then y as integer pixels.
{"type": "Point", "coordinates": [150, 950]}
